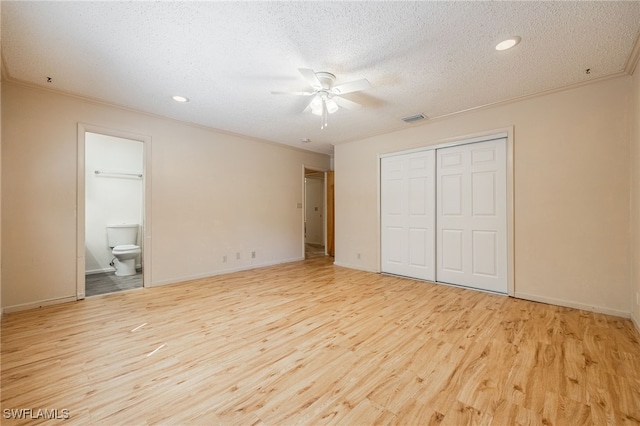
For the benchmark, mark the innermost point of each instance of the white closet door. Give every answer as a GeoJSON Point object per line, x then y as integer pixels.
{"type": "Point", "coordinates": [471, 219]}
{"type": "Point", "coordinates": [408, 215]}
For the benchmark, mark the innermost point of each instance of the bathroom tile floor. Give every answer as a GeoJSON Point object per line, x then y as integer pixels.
{"type": "Point", "coordinates": [108, 282]}
{"type": "Point", "coordinates": [313, 250]}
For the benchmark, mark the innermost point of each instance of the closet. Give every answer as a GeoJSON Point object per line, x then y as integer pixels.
{"type": "Point", "coordinates": [443, 214]}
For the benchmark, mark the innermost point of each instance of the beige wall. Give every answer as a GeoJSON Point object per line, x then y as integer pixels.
{"type": "Point", "coordinates": [635, 198]}
{"type": "Point", "coordinates": [571, 193]}
{"type": "Point", "coordinates": [213, 194]}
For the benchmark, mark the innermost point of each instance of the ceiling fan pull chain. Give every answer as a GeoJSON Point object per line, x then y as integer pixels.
{"type": "Point", "coordinates": [325, 114]}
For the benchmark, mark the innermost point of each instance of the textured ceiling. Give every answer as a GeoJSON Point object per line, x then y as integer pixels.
{"type": "Point", "coordinates": [435, 58]}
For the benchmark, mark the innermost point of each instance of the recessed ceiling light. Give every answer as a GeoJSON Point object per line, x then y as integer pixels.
{"type": "Point", "coordinates": [508, 43]}
{"type": "Point", "coordinates": [180, 98]}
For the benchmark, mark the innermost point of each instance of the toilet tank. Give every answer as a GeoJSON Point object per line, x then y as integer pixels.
{"type": "Point", "coordinates": [121, 234]}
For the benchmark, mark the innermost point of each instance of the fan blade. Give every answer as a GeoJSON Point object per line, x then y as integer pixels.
{"type": "Point", "coordinates": [294, 93]}
{"type": "Point", "coordinates": [346, 103]}
{"type": "Point", "coordinates": [311, 77]}
{"type": "Point", "coordinates": [352, 86]}
{"type": "Point", "coordinates": [308, 108]}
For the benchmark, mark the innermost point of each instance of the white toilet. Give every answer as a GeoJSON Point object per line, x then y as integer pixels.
{"type": "Point", "coordinates": [122, 240]}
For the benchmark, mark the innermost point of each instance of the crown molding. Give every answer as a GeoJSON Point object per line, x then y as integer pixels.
{"type": "Point", "coordinates": [4, 74]}
{"type": "Point", "coordinates": [27, 85]}
{"type": "Point", "coordinates": [490, 105]}
{"type": "Point", "coordinates": [634, 58]}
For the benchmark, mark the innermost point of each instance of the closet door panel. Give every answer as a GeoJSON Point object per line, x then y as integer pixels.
{"type": "Point", "coordinates": [450, 251]}
{"type": "Point", "coordinates": [485, 253]}
{"type": "Point", "coordinates": [471, 242]}
{"type": "Point", "coordinates": [407, 213]}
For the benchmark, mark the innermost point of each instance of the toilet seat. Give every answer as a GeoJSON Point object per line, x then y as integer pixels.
{"type": "Point", "coordinates": [125, 248]}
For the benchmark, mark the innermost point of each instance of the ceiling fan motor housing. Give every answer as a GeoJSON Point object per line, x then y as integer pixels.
{"type": "Point", "coordinates": [326, 79]}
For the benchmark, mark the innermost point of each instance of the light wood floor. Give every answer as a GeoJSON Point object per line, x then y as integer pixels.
{"type": "Point", "coordinates": [311, 343]}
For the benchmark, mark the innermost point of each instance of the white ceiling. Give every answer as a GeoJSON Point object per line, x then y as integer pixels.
{"type": "Point", "coordinates": [435, 58]}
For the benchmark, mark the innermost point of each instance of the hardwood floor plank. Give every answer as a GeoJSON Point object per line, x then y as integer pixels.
{"type": "Point", "coordinates": [310, 343]}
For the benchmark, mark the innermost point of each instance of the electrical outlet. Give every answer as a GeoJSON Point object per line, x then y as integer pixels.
{"type": "Point", "coordinates": [238, 256]}
{"type": "Point", "coordinates": [224, 259]}
{"type": "Point", "coordinates": [358, 256]}
{"type": "Point", "coordinates": [253, 254]}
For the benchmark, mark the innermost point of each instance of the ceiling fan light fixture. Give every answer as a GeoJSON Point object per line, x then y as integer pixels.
{"type": "Point", "coordinates": [508, 43]}
{"type": "Point", "coordinates": [316, 105]}
{"type": "Point", "coordinates": [322, 103]}
{"type": "Point", "coordinates": [332, 106]}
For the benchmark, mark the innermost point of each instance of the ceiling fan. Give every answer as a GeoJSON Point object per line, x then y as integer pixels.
{"type": "Point", "coordinates": [326, 98]}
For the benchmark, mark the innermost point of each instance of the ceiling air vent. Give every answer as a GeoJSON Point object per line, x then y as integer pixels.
{"type": "Point", "coordinates": [412, 118]}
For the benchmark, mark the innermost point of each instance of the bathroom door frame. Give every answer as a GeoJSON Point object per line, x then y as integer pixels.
{"type": "Point", "coordinates": [83, 129]}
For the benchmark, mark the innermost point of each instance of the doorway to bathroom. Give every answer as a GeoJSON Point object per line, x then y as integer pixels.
{"type": "Point", "coordinates": [112, 211]}
{"type": "Point", "coordinates": [314, 213]}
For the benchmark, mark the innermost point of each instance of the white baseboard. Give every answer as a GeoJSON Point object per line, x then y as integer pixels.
{"type": "Point", "coordinates": [570, 304]}
{"type": "Point", "coordinates": [40, 304]}
{"type": "Point", "coordinates": [358, 267]}
{"type": "Point", "coordinates": [534, 298]}
{"type": "Point", "coordinates": [223, 271]}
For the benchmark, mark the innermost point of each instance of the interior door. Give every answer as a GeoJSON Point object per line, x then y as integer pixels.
{"type": "Point", "coordinates": [408, 214]}
{"type": "Point", "coordinates": [471, 215]}
{"type": "Point", "coordinates": [331, 250]}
